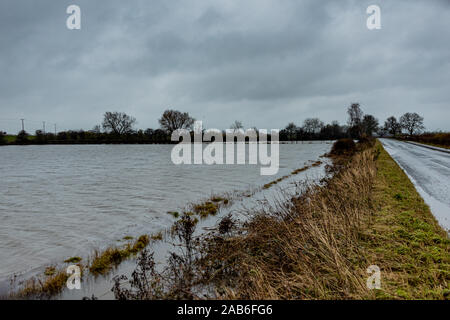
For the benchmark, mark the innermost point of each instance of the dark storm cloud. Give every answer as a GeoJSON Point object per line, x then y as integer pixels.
{"type": "Point", "coordinates": [265, 62]}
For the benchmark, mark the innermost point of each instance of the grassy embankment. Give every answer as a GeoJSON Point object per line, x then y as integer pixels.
{"type": "Point", "coordinates": [369, 214]}
{"type": "Point", "coordinates": [405, 238]}
{"type": "Point", "coordinates": [319, 244]}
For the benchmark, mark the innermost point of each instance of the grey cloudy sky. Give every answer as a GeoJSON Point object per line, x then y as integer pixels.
{"type": "Point", "coordinates": [264, 62]}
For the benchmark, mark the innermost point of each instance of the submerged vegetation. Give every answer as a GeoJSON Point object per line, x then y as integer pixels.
{"type": "Point", "coordinates": [317, 245]}
{"type": "Point", "coordinates": [104, 261]}
{"type": "Point", "coordinates": [207, 208]}
{"type": "Point", "coordinates": [53, 281]}
{"type": "Point", "coordinates": [295, 172]}
{"type": "Point", "coordinates": [73, 260]}
{"type": "Point", "coordinates": [50, 284]}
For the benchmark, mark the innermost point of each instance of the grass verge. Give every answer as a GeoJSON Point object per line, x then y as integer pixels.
{"type": "Point", "coordinates": [404, 239]}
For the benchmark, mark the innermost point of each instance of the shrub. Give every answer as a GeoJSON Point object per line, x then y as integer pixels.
{"type": "Point", "coordinates": [366, 142]}
{"type": "Point", "coordinates": [343, 147]}
{"type": "Point", "coordinates": [437, 138]}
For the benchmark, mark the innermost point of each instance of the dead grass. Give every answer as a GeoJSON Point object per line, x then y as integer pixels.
{"type": "Point", "coordinates": [319, 245]}
{"type": "Point", "coordinates": [44, 287]}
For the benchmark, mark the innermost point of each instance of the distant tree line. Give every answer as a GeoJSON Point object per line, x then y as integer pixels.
{"type": "Point", "coordinates": [118, 127]}
{"type": "Point", "coordinates": [359, 125]}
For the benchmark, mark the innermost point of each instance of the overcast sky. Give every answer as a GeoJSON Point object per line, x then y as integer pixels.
{"type": "Point", "coordinates": [264, 62]}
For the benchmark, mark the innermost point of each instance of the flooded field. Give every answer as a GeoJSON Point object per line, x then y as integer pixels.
{"type": "Point", "coordinates": [63, 201]}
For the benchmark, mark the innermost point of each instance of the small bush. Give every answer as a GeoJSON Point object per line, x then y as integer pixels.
{"type": "Point", "coordinates": [343, 147]}
{"type": "Point", "coordinates": [366, 142]}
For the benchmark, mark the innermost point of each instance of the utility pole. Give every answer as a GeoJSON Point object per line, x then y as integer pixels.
{"type": "Point", "coordinates": [43, 124]}
{"type": "Point", "coordinates": [55, 129]}
{"type": "Point", "coordinates": [23, 126]}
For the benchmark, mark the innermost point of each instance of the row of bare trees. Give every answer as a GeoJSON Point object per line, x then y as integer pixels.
{"type": "Point", "coordinates": [118, 127]}
{"type": "Point", "coordinates": [358, 125]}
{"type": "Point", "coordinates": [411, 123]}
{"type": "Point", "coordinates": [120, 123]}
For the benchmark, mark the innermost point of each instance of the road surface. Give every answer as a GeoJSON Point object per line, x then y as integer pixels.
{"type": "Point", "coordinates": [429, 170]}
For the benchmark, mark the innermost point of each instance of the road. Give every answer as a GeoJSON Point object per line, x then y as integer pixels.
{"type": "Point", "coordinates": [429, 170]}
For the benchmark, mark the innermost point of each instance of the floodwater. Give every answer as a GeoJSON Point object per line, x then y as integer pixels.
{"type": "Point", "coordinates": [62, 201]}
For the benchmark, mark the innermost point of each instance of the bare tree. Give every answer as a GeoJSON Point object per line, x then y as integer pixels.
{"type": "Point", "coordinates": [392, 126]}
{"type": "Point", "coordinates": [96, 129]}
{"type": "Point", "coordinates": [237, 125]}
{"type": "Point", "coordinates": [412, 123]}
{"type": "Point", "coordinates": [291, 131]}
{"type": "Point", "coordinates": [172, 120]}
{"type": "Point", "coordinates": [382, 131]}
{"type": "Point", "coordinates": [355, 118]}
{"type": "Point", "coordinates": [312, 125]}
{"type": "Point", "coordinates": [370, 124]}
{"type": "Point", "coordinates": [118, 122]}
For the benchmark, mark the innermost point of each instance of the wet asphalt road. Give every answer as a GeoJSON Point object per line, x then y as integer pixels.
{"type": "Point", "coordinates": [429, 170]}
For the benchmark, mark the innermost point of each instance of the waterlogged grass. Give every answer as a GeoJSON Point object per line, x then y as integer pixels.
{"type": "Point", "coordinates": [51, 283]}
{"type": "Point", "coordinates": [73, 260]}
{"type": "Point", "coordinates": [157, 237]}
{"type": "Point", "coordinates": [404, 239]}
{"type": "Point", "coordinates": [174, 214]}
{"type": "Point", "coordinates": [106, 260]}
{"type": "Point", "coordinates": [272, 183]}
{"type": "Point", "coordinates": [50, 271]}
{"type": "Point", "coordinates": [297, 171]}
{"type": "Point", "coordinates": [53, 280]}
{"type": "Point", "coordinates": [49, 286]}
{"type": "Point", "coordinates": [206, 209]}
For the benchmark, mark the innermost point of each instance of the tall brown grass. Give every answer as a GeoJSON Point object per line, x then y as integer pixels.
{"type": "Point", "coordinates": [307, 249]}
